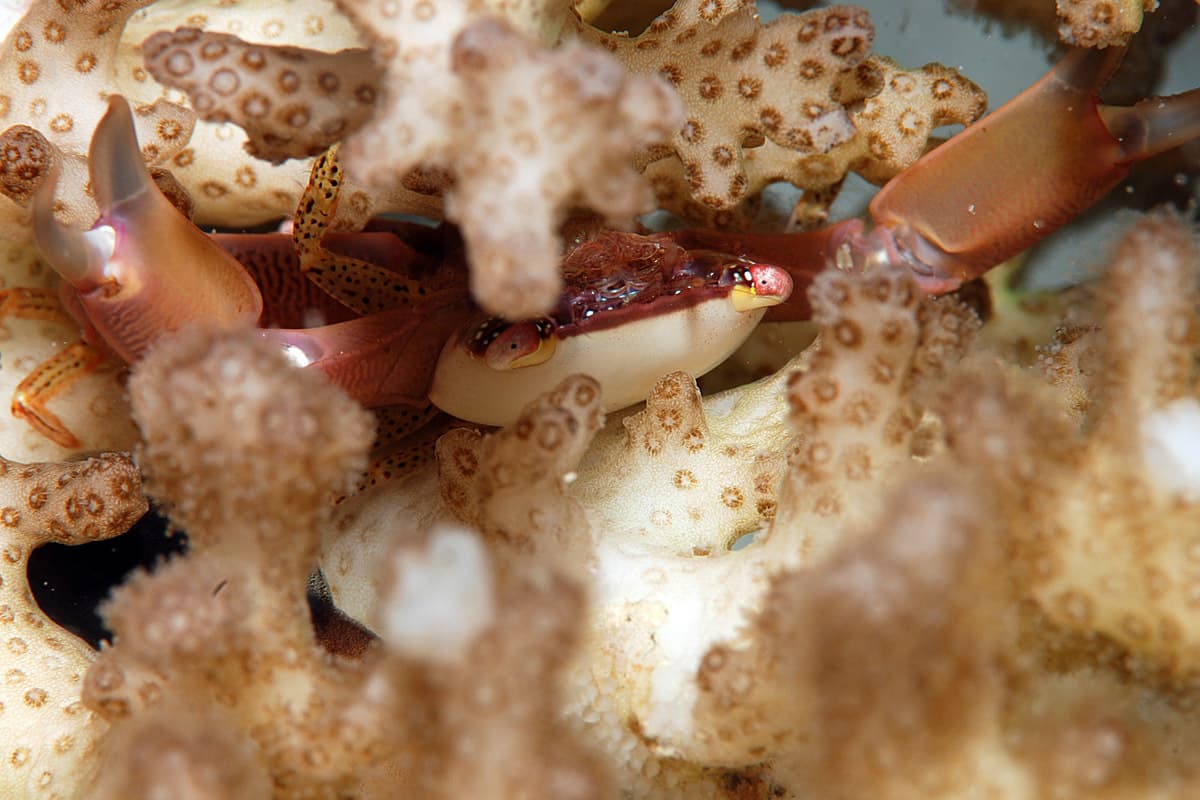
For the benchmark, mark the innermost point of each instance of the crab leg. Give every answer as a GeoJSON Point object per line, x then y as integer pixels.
{"type": "Point", "coordinates": [1019, 174]}
{"type": "Point", "coordinates": [144, 268]}
{"type": "Point", "coordinates": [997, 188]}
{"type": "Point", "coordinates": [359, 284]}
{"type": "Point", "coordinates": [49, 379]}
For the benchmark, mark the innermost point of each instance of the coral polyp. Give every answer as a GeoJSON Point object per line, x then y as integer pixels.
{"type": "Point", "coordinates": [459, 520]}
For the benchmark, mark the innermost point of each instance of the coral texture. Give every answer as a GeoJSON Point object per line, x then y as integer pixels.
{"type": "Point", "coordinates": [49, 737]}
{"type": "Point", "coordinates": [291, 102]}
{"type": "Point", "coordinates": [922, 558]}
{"type": "Point", "coordinates": [457, 108]}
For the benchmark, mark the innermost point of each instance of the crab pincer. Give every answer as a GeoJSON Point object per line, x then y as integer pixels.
{"type": "Point", "coordinates": [999, 187]}
{"type": "Point", "coordinates": [144, 268]}
{"type": "Point", "coordinates": [1020, 173]}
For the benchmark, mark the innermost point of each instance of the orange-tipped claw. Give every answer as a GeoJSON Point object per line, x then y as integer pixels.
{"type": "Point", "coordinates": [1022, 172]}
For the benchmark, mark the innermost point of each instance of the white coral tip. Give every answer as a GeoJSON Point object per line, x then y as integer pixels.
{"type": "Point", "coordinates": [441, 596]}
{"type": "Point", "coordinates": [1171, 447]}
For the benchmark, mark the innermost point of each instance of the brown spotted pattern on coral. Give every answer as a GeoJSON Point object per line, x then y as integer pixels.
{"type": "Point", "coordinates": [894, 123]}
{"type": "Point", "coordinates": [25, 161]}
{"type": "Point", "coordinates": [47, 736]}
{"type": "Point", "coordinates": [853, 405]}
{"type": "Point", "coordinates": [891, 113]}
{"type": "Point", "coordinates": [525, 132]}
{"type": "Point", "coordinates": [292, 102]}
{"type": "Point", "coordinates": [57, 67]}
{"type": "Point", "coordinates": [1101, 23]}
{"type": "Point", "coordinates": [706, 477]}
{"type": "Point", "coordinates": [503, 688]}
{"type": "Point", "coordinates": [743, 82]}
{"type": "Point", "coordinates": [510, 484]}
{"type": "Point", "coordinates": [1102, 523]}
{"type": "Point", "coordinates": [245, 451]}
{"type": "Point", "coordinates": [895, 632]}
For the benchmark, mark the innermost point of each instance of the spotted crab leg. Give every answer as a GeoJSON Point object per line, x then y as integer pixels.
{"type": "Point", "coordinates": [359, 284]}
{"type": "Point", "coordinates": [49, 379]}
{"type": "Point", "coordinates": [32, 302]}
{"type": "Point", "coordinates": [52, 376]}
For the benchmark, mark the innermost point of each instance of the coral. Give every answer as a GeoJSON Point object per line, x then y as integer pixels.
{"type": "Point", "coordinates": [1100, 535]}
{"type": "Point", "coordinates": [854, 404]}
{"type": "Point", "coordinates": [733, 98]}
{"type": "Point", "coordinates": [291, 102]}
{"type": "Point", "coordinates": [456, 107]}
{"type": "Point", "coordinates": [848, 112]}
{"type": "Point", "coordinates": [220, 643]}
{"type": "Point", "coordinates": [48, 735]}
{"type": "Point", "coordinates": [58, 68]}
{"type": "Point", "coordinates": [27, 162]}
{"type": "Point", "coordinates": [1079, 23]}
{"type": "Point", "coordinates": [1101, 23]}
{"type": "Point", "coordinates": [189, 396]}
{"type": "Point", "coordinates": [903, 564]}
{"type": "Point", "coordinates": [893, 635]}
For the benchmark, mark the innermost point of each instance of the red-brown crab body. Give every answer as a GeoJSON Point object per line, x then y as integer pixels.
{"type": "Point", "coordinates": [955, 213]}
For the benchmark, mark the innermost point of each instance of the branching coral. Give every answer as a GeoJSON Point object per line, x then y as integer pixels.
{"type": "Point", "coordinates": [877, 572]}
{"type": "Point", "coordinates": [885, 115]}
{"type": "Point", "coordinates": [48, 736]}
{"type": "Point", "coordinates": [291, 102]}
{"type": "Point", "coordinates": [734, 97]}
{"type": "Point", "coordinates": [457, 107]}
{"type": "Point", "coordinates": [1080, 23]}
{"type": "Point", "coordinates": [1101, 23]}
{"type": "Point", "coordinates": [1102, 533]}
{"type": "Point", "coordinates": [855, 403]}
{"type": "Point", "coordinates": [51, 49]}
{"type": "Point", "coordinates": [220, 642]}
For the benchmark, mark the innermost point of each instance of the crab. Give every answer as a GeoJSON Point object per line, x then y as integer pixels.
{"type": "Point", "coordinates": [403, 329]}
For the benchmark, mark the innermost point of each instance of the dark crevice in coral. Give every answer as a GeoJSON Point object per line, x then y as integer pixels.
{"type": "Point", "coordinates": [70, 582]}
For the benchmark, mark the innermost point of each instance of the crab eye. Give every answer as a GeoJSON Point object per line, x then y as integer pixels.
{"type": "Point", "coordinates": [762, 286]}
{"type": "Point", "coordinates": [522, 344]}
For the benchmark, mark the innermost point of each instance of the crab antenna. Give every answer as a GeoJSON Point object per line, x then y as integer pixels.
{"type": "Point", "coordinates": [114, 159]}
{"type": "Point", "coordinates": [1154, 125]}
{"type": "Point", "coordinates": [77, 256]}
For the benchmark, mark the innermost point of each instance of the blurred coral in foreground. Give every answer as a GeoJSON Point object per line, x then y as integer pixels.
{"type": "Point", "coordinates": [902, 565]}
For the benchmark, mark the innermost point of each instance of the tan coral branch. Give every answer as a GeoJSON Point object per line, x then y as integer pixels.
{"type": "Point", "coordinates": [292, 102]}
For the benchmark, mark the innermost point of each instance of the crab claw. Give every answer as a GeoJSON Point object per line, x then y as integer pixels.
{"type": "Point", "coordinates": [144, 268]}
{"type": "Point", "coordinates": [1024, 171]}
{"type": "Point", "coordinates": [78, 256]}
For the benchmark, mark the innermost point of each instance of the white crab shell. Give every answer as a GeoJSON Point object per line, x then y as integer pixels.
{"type": "Point", "coordinates": [625, 359]}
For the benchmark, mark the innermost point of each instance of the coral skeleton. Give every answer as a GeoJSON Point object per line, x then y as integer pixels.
{"type": "Point", "coordinates": [948, 548]}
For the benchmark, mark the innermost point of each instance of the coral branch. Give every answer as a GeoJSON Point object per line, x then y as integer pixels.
{"type": "Point", "coordinates": [292, 102]}
{"type": "Point", "coordinates": [46, 733]}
